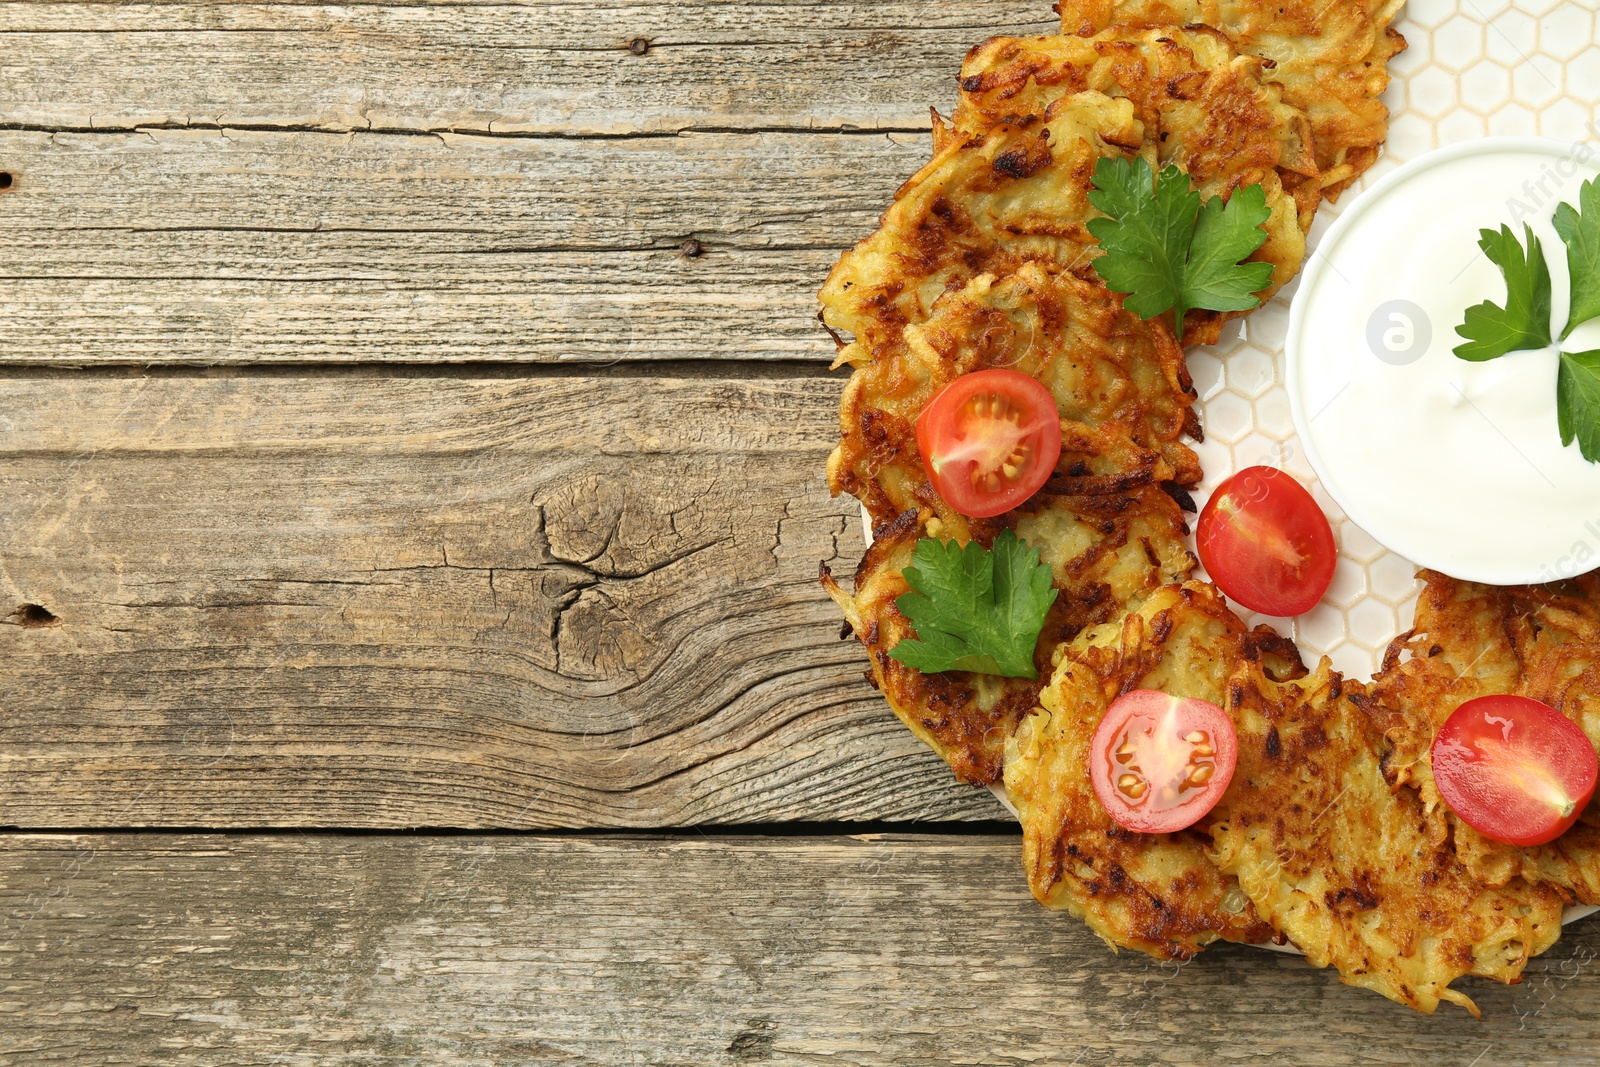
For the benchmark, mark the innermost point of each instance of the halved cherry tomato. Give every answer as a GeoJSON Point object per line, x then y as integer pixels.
{"type": "Point", "coordinates": [989, 440]}
{"type": "Point", "coordinates": [1159, 762]}
{"type": "Point", "coordinates": [1266, 543]}
{"type": "Point", "coordinates": [1515, 770]}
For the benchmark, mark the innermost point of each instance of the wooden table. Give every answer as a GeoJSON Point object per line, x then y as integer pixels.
{"type": "Point", "coordinates": [414, 421]}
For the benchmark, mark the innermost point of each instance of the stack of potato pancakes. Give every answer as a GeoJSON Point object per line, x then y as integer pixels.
{"type": "Point", "coordinates": [1331, 835]}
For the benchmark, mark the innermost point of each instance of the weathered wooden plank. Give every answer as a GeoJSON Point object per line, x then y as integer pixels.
{"type": "Point", "coordinates": [136, 949]}
{"type": "Point", "coordinates": [543, 68]}
{"type": "Point", "coordinates": [231, 246]}
{"type": "Point", "coordinates": [348, 601]}
{"type": "Point", "coordinates": [467, 194]}
{"type": "Point", "coordinates": [238, 247]}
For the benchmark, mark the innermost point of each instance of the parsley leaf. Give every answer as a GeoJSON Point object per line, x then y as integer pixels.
{"type": "Point", "coordinates": [975, 610]}
{"type": "Point", "coordinates": [1224, 235]}
{"type": "Point", "coordinates": [1578, 402]}
{"type": "Point", "coordinates": [1581, 235]}
{"type": "Point", "coordinates": [1491, 330]}
{"type": "Point", "coordinates": [1164, 250]}
{"type": "Point", "coordinates": [1147, 236]}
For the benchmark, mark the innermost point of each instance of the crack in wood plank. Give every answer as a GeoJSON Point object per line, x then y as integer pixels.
{"type": "Point", "coordinates": [421, 601]}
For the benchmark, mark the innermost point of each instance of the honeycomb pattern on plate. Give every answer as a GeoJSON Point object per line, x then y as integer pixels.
{"type": "Point", "coordinates": [1475, 68]}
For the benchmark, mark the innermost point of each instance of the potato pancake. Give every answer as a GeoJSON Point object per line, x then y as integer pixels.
{"type": "Point", "coordinates": [1474, 640]}
{"type": "Point", "coordinates": [1330, 56]}
{"type": "Point", "coordinates": [1001, 193]}
{"type": "Point", "coordinates": [1349, 867]}
{"type": "Point", "coordinates": [1018, 194]}
{"type": "Point", "coordinates": [1330, 853]}
{"type": "Point", "coordinates": [1204, 108]}
{"type": "Point", "coordinates": [1105, 549]}
{"type": "Point", "coordinates": [1119, 382]}
{"type": "Point", "coordinates": [1158, 893]}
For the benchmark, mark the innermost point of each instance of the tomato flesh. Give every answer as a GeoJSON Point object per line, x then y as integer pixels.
{"type": "Point", "coordinates": [1514, 769]}
{"type": "Point", "coordinates": [1266, 543]}
{"type": "Point", "coordinates": [989, 440]}
{"type": "Point", "coordinates": [1158, 763]}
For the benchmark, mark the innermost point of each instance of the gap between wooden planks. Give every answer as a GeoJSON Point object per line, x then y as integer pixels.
{"type": "Point", "coordinates": [397, 602]}
{"type": "Point", "coordinates": [879, 949]}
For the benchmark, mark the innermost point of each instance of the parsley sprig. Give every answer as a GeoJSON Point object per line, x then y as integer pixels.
{"type": "Point", "coordinates": [1164, 250]}
{"type": "Point", "coordinates": [1578, 402]}
{"type": "Point", "coordinates": [1524, 322]}
{"type": "Point", "coordinates": [1580, 232]}
{"type": "Point", "coordinates": [975, 609]}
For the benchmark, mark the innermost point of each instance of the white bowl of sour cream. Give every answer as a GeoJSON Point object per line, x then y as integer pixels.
{"type": "Point", "coordinates": [1457, 466]}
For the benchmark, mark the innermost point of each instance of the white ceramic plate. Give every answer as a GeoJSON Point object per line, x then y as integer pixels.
{"type": "Point", "coordinates": [1474, 69]}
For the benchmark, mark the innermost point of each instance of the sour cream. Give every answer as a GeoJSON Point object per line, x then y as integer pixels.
{"type": "Point", "coordinates": [1457, 466]}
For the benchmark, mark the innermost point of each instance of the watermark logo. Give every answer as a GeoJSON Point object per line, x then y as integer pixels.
{"type": "Point", "coordinates": [1580, 558]}
{"type": "Point", "coordinates": [1399, 332]}
{"type": "Point", "coordinates": [1537, 193]}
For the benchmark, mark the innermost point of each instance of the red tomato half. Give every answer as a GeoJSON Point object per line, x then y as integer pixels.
{"type": "Point", "coordinates": [1159, 762]}
{"type": "Point", "coordinates": [989, 440]}
{"type": "Point", "coordinates": [1515, 770]}
{"type": "Point", "coordinates": [1266, 543]}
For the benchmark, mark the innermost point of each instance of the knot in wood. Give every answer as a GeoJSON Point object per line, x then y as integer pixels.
{"type": "Point", "coordinates": [34, 615]}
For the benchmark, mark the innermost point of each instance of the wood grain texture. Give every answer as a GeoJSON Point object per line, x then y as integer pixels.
{"type": "Point", "coordinates": [541, 68]}
{"type": "Point", "coordinates": [368, 602]}
{"type": "Point", "coordinates": [485, 182]}
{"type": "Point", "coordinates": [137, 949]}
{"type": "Point", "coordinates": [246, 247]}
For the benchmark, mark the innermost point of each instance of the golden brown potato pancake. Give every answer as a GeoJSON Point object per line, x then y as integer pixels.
{"type": "Point", "coordinates": [1119, 382]}
{"type": "Point", "coordinates": [1017, 195]}
{"type": "Point", "coordinates": [1330, 56]}
{"type": "Point", "coordinates": [1204, 108]}
{"type": "Point", "coordinates": [1106, 550]}
{"type": "Point", "coordinates": [1473, 640]}
{"type": "Point", "coordinates": [1154, 892]}
{"type": "Point", "coordinates": [1001, 193]}
{"type": "Point", "coordinates": [1348, 866]}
